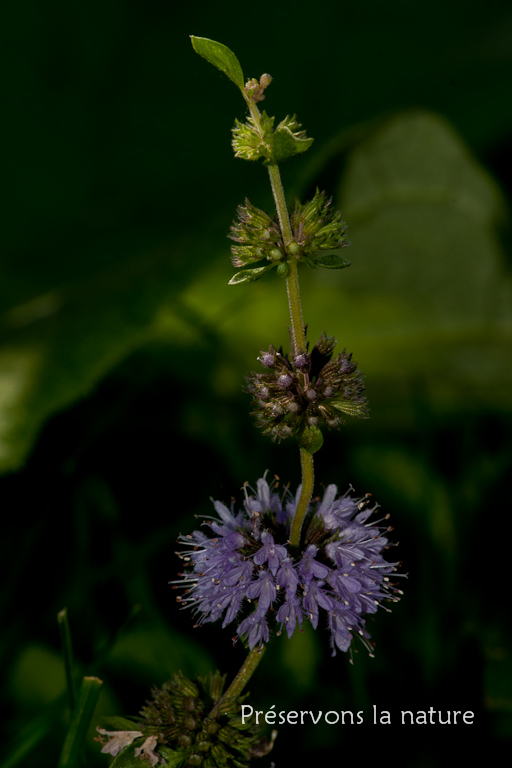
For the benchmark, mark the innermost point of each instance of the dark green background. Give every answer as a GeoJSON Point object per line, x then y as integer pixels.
{"type": "Point", "coordinates": [123, 351]}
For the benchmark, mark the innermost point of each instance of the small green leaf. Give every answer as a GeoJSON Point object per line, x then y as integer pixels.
{"type": "Point", "coordinates": [348, 407]}
{"type": "Point", "coordinates": [221, 57]}
{"type": "Point", "coordinates": [249, 275]}
{"type": "Point", "coordinates": [116, 723]}
{"type": "Point", "coordinates": [128, 759]}
{"type": "Point", "coordinates": [331, 261]}
{"type": "Point", "coordinates": [173, 757]}
{"type": "Point", "coordinates": [288, 140]}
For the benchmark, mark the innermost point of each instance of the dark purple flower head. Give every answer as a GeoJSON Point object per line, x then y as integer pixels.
{"type": "Point", "coordinates": [312, 389]}
{"type": "Point", "coordinates": [245, 570]}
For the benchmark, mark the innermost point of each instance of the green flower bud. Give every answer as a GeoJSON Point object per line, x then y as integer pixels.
{"type": "Point", "coordinates": [317, 227]}
{"type": "Point", "coordinates": [311, 439]}
{"type": "Point", "coordinates": [283, 269]}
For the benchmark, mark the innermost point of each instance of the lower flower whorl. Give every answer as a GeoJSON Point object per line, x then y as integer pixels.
{"type": "Point", "coordinates": [244, 562]}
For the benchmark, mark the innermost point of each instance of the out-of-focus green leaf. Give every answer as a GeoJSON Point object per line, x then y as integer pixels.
{"type": "Point", "coordinates": [498, 682]}
{"type": "Point", "coordinates": [300, 656]}
{"type": "Point", "coordinates": [422, 216]}
{"type": "Point", "coordinates": [37, 677]}
{"type": "Point", "coordinates": [330, 260]}
{"type": "Point", "coordinates": [429, 288]}
{"type": "Point", "coordinates": [221, 57]}
{"type": "Point", "coordinates": [155, 652]}
{"type": "Point", "coordinates": [31, 735]}
{"type": "Point", "coordinates": [55, 347]}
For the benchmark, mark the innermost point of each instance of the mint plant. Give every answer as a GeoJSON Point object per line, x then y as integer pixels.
{"type": "Point", "coordinates": [282, 559]}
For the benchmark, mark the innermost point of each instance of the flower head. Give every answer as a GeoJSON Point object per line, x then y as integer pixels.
{"type": "Point", "coordinates": [182, 715]}
{"type": "Point", "coordinates": [317, 226]}
{"type": "Point", "coordinates": [246, 572]}
{"type": "Point", "coordinates": [259, 244]}
{"type": "Point", "coordinates": [309, 390]}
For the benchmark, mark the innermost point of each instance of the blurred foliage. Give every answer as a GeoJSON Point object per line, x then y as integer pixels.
{"type": "Point", "coordinates": [123, 349]}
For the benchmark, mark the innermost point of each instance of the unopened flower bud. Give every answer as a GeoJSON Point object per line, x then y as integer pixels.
{"type": "Point", "coordinates": [301, 361]}
{"type": "Point", "coordinates": [267, 359]}
{"type": "Point", "coordinates": [311, 439]}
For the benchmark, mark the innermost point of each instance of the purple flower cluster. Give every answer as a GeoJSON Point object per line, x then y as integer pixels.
{"type": "Point", "coordinates": [310, 390]}
{"type": "Point", "coordinates": [245, 560]}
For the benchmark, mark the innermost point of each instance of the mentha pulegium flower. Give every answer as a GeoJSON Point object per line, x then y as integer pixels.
{"type": "Point", "coordinates": [309, 390]}
{"type": "Point", "coordinates": [258, 236]}
{"type": "Point", "coordinates": [255, 90]}
{"type": "Point", "coordinates": [252, 141]}
{"type": "Point", "coordinates": [242, 568]}
{"type": "Point", "coordinates": [316, 228]}
{"type": "Point", "coordinates": [181, 715]}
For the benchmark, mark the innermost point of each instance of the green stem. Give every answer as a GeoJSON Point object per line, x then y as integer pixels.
{"type": "Point", "coordinates": [294, 305]}
{"type": "Point", "coordinates": [292, 280]}
{"type": "Point", "coordinates": [298, 334]}
{"type": "Point", "coordinates": [244, 675]}
{"type": "Point", "coordinates": [280, 201]}
{"type": "Point", "coordinates": [308, 480]}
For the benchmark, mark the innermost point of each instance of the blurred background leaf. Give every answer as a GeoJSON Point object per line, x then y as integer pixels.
{"type": "Point", "coordinates": [123, 349]}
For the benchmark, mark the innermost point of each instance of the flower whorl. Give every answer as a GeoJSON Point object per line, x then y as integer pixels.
{"type": "Point", "coordinates": [339, 571]}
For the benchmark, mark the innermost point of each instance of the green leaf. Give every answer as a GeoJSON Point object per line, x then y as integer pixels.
{"type": "Point", "coordinates": [80, 720]}
{"type": "Point", "coordinates": [116, 723]}
{"type": "Point", "coordinates": [221, 57]}
{"type": "Point", "coordinates": [330, 260]}
{"type": "Point", "coordinates": [430, 284]}
{"type": "Point", "coordinates": [84, 319]}
{"type": "Point", "coordinates": [250, 275]}
{"type": "Point", "coordinates": [128, 759]}
{"type": "Point", "coordinates": [288, 141]}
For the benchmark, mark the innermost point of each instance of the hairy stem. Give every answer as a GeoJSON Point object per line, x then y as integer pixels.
{"type": "Point", "coordinates": [244, 675]}
{"type": "Point", "coordinates": [297, 327]}
{"type": "Point", "coordinates": [308, 479]}
{"type": "Point", "coordinates": [292, 280]}
{"type": "Point", "coordinates": [279, 199]}
{"type": "Point", "coordinates": [294, 305]}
